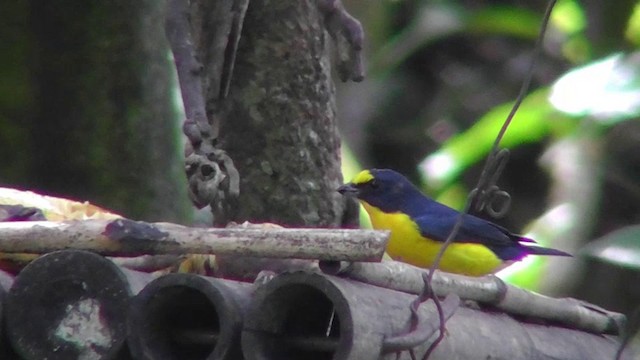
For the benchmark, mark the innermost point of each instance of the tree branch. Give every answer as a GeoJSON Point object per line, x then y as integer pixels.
{"type": "Point", "coordinates": [128, 238]}
{"type": "Point", "coordinates": [490, 290]}
{"type": "Point", "coordinates": [189, 71]}
{"type": "Point", "coordinates": [348, 35]}
{"type": "Point", "coordinates": [211, 172]}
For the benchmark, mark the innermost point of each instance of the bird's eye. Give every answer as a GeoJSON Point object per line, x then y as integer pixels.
{"type": "Point", "coordinates": [374, 184]}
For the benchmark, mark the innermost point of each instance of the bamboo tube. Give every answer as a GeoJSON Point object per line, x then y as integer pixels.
{"type": "Point", "coordinates": [71, 304]}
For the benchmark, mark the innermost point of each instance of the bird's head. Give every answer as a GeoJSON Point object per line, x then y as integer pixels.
{"type": "Point", "coordinates": [382, 188]}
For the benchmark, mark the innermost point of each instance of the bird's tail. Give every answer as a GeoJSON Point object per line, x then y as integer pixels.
{"type": "Point", "coordinates": [539, 250]}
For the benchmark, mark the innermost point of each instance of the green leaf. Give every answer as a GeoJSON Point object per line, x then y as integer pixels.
{"type": "Point", "coordinates": [621, 247]}
{"type": "Point", "coordinates": [350, 167]}
{"type": "Point", "coordinates": [632, 32]}
{"type": "Point", "coordinates": [535, 119]}
{"type": "Point", "coordinates": [434, 21]}
{"type": "Point", "coordinates": [505, 20]}
{"type": "Point", "coordinates": [569, 17]}
{"type": "Point", "coordinates": [454, 196]}
{"type": "Point", "coordinates": [431, 22]}
{"type": "Point", "coordinates": [607, 90]}
{"type": "Point", "coordinates": [548, 229]}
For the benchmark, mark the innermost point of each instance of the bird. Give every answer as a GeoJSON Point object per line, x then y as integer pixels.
{"type": "Point", "coordinates": [420, 225]}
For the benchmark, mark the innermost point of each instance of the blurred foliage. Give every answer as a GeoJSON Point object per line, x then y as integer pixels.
{"type": "Point", "coordinates": [443, 76]}
{"type": "Point", "coordinates": [535, 120]}
{"type": "Point", "coordinates": [621, 247]}
{"type": "Point", "coordinates": [350, 168]}
{"type": "Point", "coordinates": [605, 91]}
{"type": "Point", "coordinates": [86, 106]}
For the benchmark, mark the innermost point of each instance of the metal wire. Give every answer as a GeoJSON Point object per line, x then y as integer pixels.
{"type": "Point", "coordinates": [488, 195]}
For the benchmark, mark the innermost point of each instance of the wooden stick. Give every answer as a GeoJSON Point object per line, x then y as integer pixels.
{"type": "Point", "coordinates": [493, 291]}
{"type": "Point", "coordinates": [124, 237]}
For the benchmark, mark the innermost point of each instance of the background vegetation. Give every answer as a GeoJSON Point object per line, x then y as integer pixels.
{"type": "Point", "coordinates": [87, 111]}
{"type": "Point", "coordinates": [442, 78]}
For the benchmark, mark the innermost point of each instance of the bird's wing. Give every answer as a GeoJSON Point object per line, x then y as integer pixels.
{"type": "Point", "coordinates": [473, 229]}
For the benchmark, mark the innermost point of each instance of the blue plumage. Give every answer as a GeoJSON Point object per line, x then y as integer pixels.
{"type": "Point", "coordinates": [393, 193]}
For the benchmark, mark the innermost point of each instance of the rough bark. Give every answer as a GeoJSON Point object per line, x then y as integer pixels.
{"type": "Point", "coordinates": [278, 122]}
{"type": "Point", "coordinates": [101, 123]}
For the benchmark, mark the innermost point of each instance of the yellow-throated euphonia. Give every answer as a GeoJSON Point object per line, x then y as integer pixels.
{"type": "Point", "coordinates": [419, 226]}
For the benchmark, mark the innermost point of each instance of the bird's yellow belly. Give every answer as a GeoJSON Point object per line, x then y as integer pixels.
{"type": "Point", "coordinates": [406, 244]}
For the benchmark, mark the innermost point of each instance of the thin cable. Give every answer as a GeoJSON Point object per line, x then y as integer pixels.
{"type": "Point", "coordinates": [485, 173]}
{"type": "Point", "coordinates": [484, 177]}
{"type": "Point", "coordinates": [529, 74]}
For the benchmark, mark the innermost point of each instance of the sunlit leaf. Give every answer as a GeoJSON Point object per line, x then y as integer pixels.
{"type": "Point", "coordinates": [568, 17]}
{"type": "Point", "coordinates": [607, 90]}
{"type": "Point", "coordinates": [505, 20]}
{"type": "Point", "coordinates": [350, 167]}
{"type": "Point", "coordinates": [535, 119]}
{"type": "Point", "coordinates": [548, 229]}
{"type": "Point", "coordinates": [431, 22]}
{"type": "Point", "coordinates": [621, 247]}
{"type": "Point", "coordinates": [435, 20]}
{"type": "Point", "coordinates": [632, 32]}
{"type": "Point", "coordinates": [454, 196]}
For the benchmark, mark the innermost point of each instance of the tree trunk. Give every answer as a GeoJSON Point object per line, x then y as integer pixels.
{"type": "Point", "coordinates": [102, 124]}
{"type": "Point", "coordinates": [278, 123]}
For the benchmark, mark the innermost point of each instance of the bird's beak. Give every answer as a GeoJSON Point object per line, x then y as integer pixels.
{"type": "Point", "coordinates": [348, 189]}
